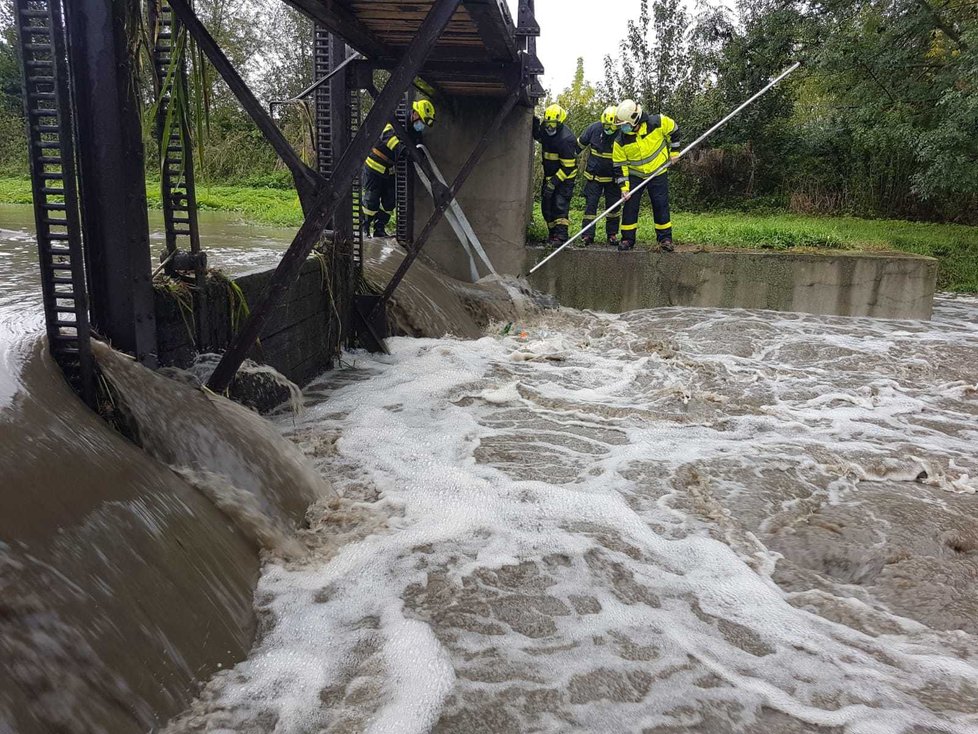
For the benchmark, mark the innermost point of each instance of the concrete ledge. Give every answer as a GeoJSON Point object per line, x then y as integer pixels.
{"type": "Point", "coordinates": [894, 286]}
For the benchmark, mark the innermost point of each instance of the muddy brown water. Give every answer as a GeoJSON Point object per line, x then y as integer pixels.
{"type": "Point", "coordinates": [677, 520]}
{"type": "Point", "coordinates": [122, 581]}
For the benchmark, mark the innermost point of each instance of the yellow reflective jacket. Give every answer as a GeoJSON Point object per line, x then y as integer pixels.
{"type": "Point", "coordinates": [388, 151]}
{"type": "Point", "coordinates": [642, 151]}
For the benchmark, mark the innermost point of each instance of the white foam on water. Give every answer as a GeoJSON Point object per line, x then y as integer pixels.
{"type": "Point", "coordinates": [697, 519]}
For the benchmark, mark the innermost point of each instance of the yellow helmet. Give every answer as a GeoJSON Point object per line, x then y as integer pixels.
{"type": "Point", "coordinates": [425, 111]}
{"type": "Point", "coordinates": [608, 117]}
{"type": "Point", "coordinates": [555, 113]}
{"type": "Point", "coordinates": [553, 116]}
{"type": "Point", "coordinates": [628, 112]}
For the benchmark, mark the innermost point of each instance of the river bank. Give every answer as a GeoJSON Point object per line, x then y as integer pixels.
{"type": "Point", "coordinates": [955, 246]}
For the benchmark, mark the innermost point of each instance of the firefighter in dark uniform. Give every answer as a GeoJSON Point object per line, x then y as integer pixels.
{"type": "Point", "coordinates": [379, 191]}
{"type": "Point", "coordinates": [599, 176]}
{"type": "Point", "coordinates": [559, 170]}
{"type": "Point", "coordinates": [644, 143]}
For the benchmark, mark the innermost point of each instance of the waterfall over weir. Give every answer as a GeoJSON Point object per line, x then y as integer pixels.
{"type": "Point", "coordinates": [126, 574]}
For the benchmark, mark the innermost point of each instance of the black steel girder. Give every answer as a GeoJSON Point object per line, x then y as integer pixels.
{"type": "Point", "coordinates": [334, 191]}
{"type": "Point", "coordinates": [112, 177]}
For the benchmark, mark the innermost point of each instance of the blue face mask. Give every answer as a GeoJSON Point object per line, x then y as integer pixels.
{"type": "Point", "coordinates": [627, 127]}
{"type": "Point", "coordinates": [419, 126]}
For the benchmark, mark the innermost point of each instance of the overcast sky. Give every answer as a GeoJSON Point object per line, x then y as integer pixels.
{"type": "Point", "coordinates": [587, 28]}
{"type": "Point", "coordinates": [572, 28]}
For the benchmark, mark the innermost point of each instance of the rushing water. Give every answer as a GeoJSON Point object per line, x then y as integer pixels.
{"type": "Point", "coordinates": [125, 575]}
{"type": "Point", "coordinates": [671, 520]}
{"type": "Point", "coordinates": [675, 520]}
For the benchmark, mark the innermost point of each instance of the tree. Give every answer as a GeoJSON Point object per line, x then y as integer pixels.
{"type": "Point", "coordinates": [13, 140]}
{"type": "Point", "coordinates": [581, 101]}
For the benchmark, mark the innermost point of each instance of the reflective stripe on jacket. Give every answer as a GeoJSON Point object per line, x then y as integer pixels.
{"type": "Point", "coordinates": [645, 149]}
{"type": "Point", "coordinates": [386, 153]}
{"type": "Point", "coordinates": [601, 147]}
{"type": "Point", "coordinates": [559, 152]}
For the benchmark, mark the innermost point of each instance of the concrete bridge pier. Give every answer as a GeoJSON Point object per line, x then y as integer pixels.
{"type": "Point", "coordinates": [497, 197]}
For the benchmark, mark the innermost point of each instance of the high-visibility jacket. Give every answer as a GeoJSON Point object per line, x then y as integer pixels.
{"type": "Point", "coordinates": [601, 146]}
{"type": "Point", "coordinates": [387, 152]}
{"type": "Point", "coordinates": [640, 152]}
{"type": "Point", "coordinates": [559, 152]}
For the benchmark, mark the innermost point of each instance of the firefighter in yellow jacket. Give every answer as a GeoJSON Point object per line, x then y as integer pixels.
{"type": "Point", "coordinates": [644, 143]}
{"type": "Point", "coordinates": [379, 190]}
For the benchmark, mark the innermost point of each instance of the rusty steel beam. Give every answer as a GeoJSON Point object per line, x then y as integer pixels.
{"type": "Point", "coordinates": [307, 181]}
{"type": "Point", "coordinates": [443, 202]}
{"type": "Point", "coordinates": [333, 192]}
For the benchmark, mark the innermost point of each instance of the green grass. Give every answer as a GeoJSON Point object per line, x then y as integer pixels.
{"type": "Point", "coordinates": [273, 206]}
{"type": "Point", "coordinates": [954, 245]}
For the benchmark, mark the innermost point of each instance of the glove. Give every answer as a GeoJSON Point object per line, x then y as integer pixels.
{"type": "Point", "coordinates": [536, 126]}
{"type": "Point", "coordinates": [549, 186]}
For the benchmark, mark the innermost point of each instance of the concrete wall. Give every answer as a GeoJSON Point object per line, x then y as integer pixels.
{"type": "Point", "coordinates": [845, 284]}
{"type": "Point", "coordinates": [495, 196]}
{"type": "Point", "coordinates": [301, 338]}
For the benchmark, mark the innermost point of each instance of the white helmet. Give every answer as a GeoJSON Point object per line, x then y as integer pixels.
{"type": "Point", "coordinates": [628, 112]}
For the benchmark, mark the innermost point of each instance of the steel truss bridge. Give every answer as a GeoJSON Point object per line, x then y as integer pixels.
{"type": "Point", "coordinates": [88, 168]}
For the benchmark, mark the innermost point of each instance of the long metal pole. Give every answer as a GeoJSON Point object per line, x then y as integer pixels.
{"type": "Point", "coordinates": [670, 162]}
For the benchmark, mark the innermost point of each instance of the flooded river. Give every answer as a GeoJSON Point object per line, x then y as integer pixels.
{"type": "Point", "coordinates": [675, 520]}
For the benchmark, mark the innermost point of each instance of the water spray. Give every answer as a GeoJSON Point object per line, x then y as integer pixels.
{"type": "Point", "coordinates": [669, 163]}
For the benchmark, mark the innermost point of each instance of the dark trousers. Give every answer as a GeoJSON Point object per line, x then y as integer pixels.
{"type": "Point", "coordinates": [555, 206]}
{"type": "Point", "coordinates": [658, 189]}
{"type": "Point", "coordinates": [379, 200]}
{"type": "Point", "coordinates": [593, 191]}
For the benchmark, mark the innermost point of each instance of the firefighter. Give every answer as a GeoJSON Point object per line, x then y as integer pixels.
{"type": "Point", "coordinates": [644, 143]}
{"type": "Point", "coordinates": [599, 176]}
{"type": "Point", "coordinates": [559, 170]}
{"type": "Point", "coordinates": [379, 190]}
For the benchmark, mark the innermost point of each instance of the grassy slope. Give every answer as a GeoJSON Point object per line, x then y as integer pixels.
{"type": "Point", "coordinates": [956, 246]}
{"type": "Point", "coordinates": [264, 206]}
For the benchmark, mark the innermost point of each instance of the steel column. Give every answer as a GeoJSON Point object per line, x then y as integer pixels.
{"type": "Point", "coordinates": [178, 191]}
{"type": "Point", "coordinates": [341, 126]}
{"type": "Point", "coordinates": [346, 169]}
{"type": "Point", "coordinates": [50, 135]}
{"type": "Point", "coordinates": [111, 174]}
{"type": "Point", "coordinates": [404, 181]}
